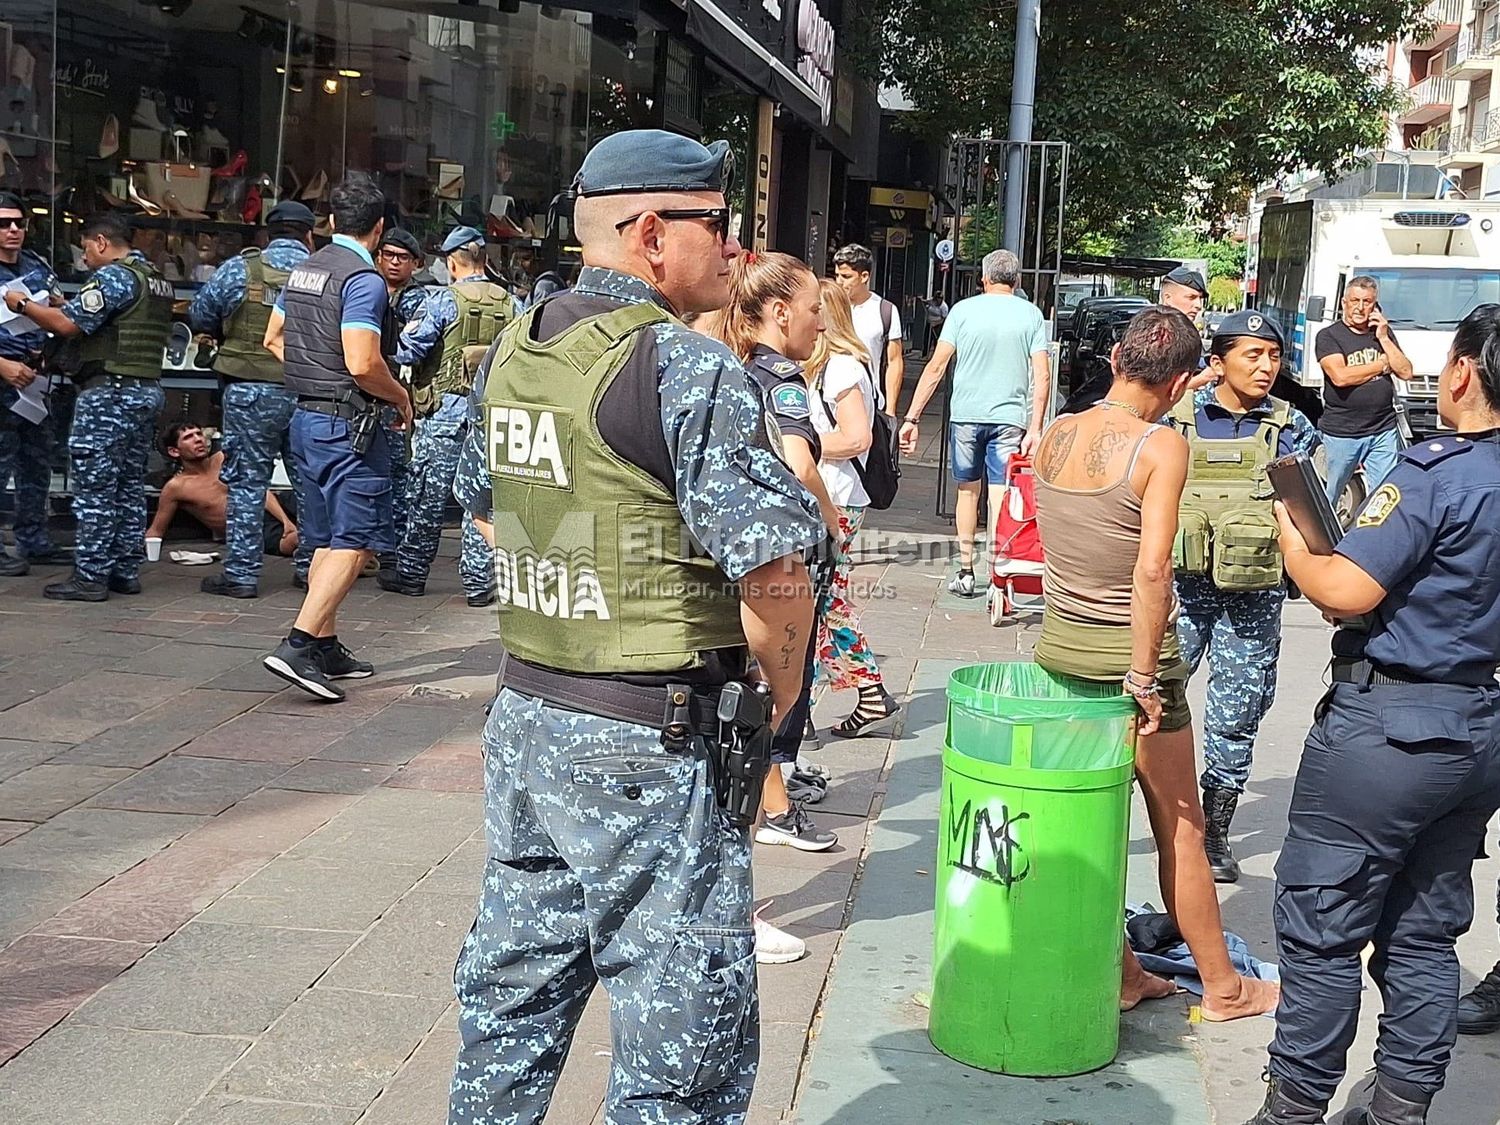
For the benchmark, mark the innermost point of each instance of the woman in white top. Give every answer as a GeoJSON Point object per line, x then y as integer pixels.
{"type": "Point", "coordinates": [844, 398]}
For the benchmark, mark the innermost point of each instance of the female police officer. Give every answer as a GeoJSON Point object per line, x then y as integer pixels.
{"type": "Point", "coordinates": [1401, 770]}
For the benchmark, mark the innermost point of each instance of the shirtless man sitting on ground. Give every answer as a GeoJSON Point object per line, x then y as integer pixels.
{"type": "Point", "coordinates": [197, 489]}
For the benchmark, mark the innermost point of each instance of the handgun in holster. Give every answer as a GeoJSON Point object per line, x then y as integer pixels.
{"type": "Point", "coordinates": [363, 427]}
{"type": "Point", "coordinates": [742, 750]}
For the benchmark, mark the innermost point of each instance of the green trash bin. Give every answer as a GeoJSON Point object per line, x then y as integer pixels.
{"type": "Point", "coordinates": [1032, 845]}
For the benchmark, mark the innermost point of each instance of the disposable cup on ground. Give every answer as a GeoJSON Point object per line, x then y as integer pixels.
{"type": "Point", "coordinates": [153, 549]}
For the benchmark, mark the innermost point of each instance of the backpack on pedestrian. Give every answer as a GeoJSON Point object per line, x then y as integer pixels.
{"type": "Point", "coordinates": [880, 469]}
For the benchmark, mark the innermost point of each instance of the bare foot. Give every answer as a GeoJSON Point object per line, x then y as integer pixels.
{"type": "Point", "coordinates": [1249, 998]}
{"type": "Point", "coordinates": [1143, 986]}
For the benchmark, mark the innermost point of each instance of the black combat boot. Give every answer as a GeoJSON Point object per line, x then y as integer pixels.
{"type": "Point", "coordinates": [13, 567]}
{"type": "Point", "coordinates": [1218, 811]}
{"type": "Point", "coordinates": [1281, 1108]}
{"type": "Point", "coordinates": [480, 600]}
{"type": "Point", "coordinates": [1479, 1011]}
{"type": "Point", "coordinates": [398, 583]}
{"type": "Point", "coordinates": [76, 589]}
{"type": "Point", "coordinates": [118, 585]}
{"type": "Point", "coordinates": [218, 584]}
{"type": "Point", "coordinates": [1388, 1108]}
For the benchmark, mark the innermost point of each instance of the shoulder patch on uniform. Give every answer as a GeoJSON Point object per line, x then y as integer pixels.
{"type": "Point", "coordinates": [786, 367]}
{"type": "Point", "coordinates": [91, 297]}
{"type": "Point", "coordinates": [1426, 453]}
{"type": "Point", "coordinates": [790, 400]}
{"type": "Point", "coordinates": [1379, 507]}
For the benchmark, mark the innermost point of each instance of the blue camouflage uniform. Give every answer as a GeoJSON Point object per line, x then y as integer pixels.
{"type": "Point", "coordinates": [257, 421]}
{"type": "Point", "coordinates": [436, 444]}
{"type": "Point", "coordinates": [1398, 778]}
{"type": "Point", "coordinates": [26, 447]}
{"type": "Point", "coordinates": [1239, 631]}
{"type": "Point", "coordinates": [405, 307]}
{"type": "Point", "coordinates": [634, 881]}
{"type": "Point", "coordinates": [113, 424]}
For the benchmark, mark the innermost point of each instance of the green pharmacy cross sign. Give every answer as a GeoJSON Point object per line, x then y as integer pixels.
{"type": "Point", "coordinates": [501, 126]}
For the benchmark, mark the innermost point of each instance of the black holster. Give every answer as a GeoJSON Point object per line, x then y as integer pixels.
{"type": "Point", "coordinates": [362, 429]}
{"type": "Point", "coordinates": [742, 751]}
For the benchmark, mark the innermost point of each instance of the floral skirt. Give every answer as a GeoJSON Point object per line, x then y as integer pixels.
{"type": "Point", "coordinates": [844, 656]}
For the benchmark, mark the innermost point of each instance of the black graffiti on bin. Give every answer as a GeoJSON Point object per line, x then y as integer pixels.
{"type": "Point", "coordinates": [984, 848]}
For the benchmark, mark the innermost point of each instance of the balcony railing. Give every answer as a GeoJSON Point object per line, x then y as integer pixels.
{"type": "Point", "coordinates": [1442, 12]}
{"type": "Point", "coordinates": [1475, 45]}
{"type": "Point", "coordinates": [1434, 90]}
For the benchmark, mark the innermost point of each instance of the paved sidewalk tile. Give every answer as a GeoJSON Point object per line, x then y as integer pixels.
{"type": "Point", "coordinates": [334, 1047]}
{"type": "Point", "coordinates": [397, 826]}
{"type": "Point", "coordinates": [315, 893]}
{"type": "Point", "coordinates": [231, 1109]}
{"type": "Point", "coordinates": [110, 1076]}
{"type": "Point", "coordinates": [418, 1094]}
{"type": "Point", "coordinates": [84, 707]}
{"type": "Point", "coordinates": [410, 951]}
{"type": "Point", "coordinates": [214, 979]}
{"type": "Point", "coordinates": [155, 733]}
{"type": "Point", "coordinates": [17, 755]}
{"type": "Point", "coordinates": [42, 979]}
{"type": "Point", "coordinates": [181, 783]}
{"type": "Point", "coordinates": [95, 841]}
{"type": "Point", "coordinates": [318, 776]}
{"type": "Point", "coordinates": [46, 790]}
{"type": "Point", "coordinates": [269, 822]}
{"type": "Point", "coordinates": [452, 767]}
{"type": "Point", "coordinates": [28, 898]}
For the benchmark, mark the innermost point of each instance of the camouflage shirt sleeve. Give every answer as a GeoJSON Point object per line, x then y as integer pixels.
{"type": "Point", "coordinates": [110, 290]}
{"type": "Point", "coordinates": [1305, 436]}
{"type": "Point", "coordinates": [423, 334]}
{"type": "Point", "coordinates": [471, 483]}
{"type": "Point", "coordinates": [739, 501]}
{"type": "Point", "coordinates": [220, 296]}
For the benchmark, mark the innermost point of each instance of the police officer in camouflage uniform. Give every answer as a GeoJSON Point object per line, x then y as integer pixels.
{"type": "Point", "coordinates": [234, 307]}
{"type": "Point", "coordinates": [398, 259]}
{"type": "Point", "coordinates": [1228, 567]}
{"type": "Point", "coordinates": [443, 347]}
{"type": "Point", "coordinates": [123, 314]}
{"type": "Point", "coordinates": [25, 446]}
{"type": "Point", "coordinates": [628, 494]}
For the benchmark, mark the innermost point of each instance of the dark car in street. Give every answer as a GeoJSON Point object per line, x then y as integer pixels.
{"type": "Point", "coordinates": [1076, 340]}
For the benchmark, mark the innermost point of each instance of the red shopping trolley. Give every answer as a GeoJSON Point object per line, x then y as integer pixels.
{"type": "Point", "coordinates": [1016, 578]}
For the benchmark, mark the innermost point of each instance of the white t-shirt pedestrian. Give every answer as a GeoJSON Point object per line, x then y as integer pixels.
{"type": "Point", "coordinates": [842, 374]}
{"type": "Point", "coordinates": [871, 331]}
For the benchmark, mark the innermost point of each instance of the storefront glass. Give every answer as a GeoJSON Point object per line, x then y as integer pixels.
{"type": "Point", "coordinates": [194, 116]}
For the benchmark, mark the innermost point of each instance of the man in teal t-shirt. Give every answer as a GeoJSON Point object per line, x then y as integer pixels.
{"type": "Point", "coordinates": [1001, 380]}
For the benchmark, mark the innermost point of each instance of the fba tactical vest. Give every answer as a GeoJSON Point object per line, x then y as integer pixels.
{"type": "Point", "coordinates": [1226, 528]}
{"type": "Point", "coordinates": [134, 342]}
{"type": "Point", "coordinates": [483, 309]}
{"type": "Point", "coordinates": [243, 354]}
{"type": "Point", "coordinates": [595, 569]}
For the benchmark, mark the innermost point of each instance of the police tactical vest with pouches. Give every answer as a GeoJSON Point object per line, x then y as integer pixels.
{"type": "Point", "coordinates": [595, 569]}
{"type": "Point", "coordinates": [1226, 528]}
{"type": "Point", "coordinates": [243, 354]}
{"type": "Point", "coordinates": [134, 342]}
{"type": "Point", "coordinates": [483, 310]}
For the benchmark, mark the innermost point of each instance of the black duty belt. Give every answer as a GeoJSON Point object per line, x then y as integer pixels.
{"type": "Point", "coordinates": [338, 407]}
{"type": "Point", "coordinates": [99, 378]}
{"type": "Point", "coordinates": [612, 699]}
{"type": "Point", "coordinates": [1352, 670]}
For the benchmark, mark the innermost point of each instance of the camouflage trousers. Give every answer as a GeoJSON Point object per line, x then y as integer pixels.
{"type": "Point", "coordinates": [114, 424]}
{"type": "Point", "coordinates": [1241, 634]}
{"type": "Point", "coordinates": [400, 466]}
{"type": "Point", "coordinates": [26, 454]}
{"type": "Point", "coordinates": [609, 861]}
{"type": "Point", "coordinates": [435, 450]}
{"type": "Point", "coordinates": [256, 421]}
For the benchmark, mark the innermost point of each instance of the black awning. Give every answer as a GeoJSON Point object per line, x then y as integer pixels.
{"type": "Point", "coordinates": [1142, 269]}
{"type": "Point", "coordinates": [748, 63]}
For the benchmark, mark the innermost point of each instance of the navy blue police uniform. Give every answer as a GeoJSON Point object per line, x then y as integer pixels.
{"type": "Point", "coordinates": [405, 306]}
{"type": "Point", "coordinates": [26, 446]}
{"type": "Point", "coordinates": [1398, 779]}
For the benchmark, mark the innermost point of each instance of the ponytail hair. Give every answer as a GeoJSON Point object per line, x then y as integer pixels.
{"type": "Point", "coordinates": [1478, 338]}
{"type": "Point", "coordinates": [756, 278]}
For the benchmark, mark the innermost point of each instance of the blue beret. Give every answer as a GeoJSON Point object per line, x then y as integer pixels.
{"type": "Point", "coordinates": [647, 160]}
{"type": "Point", "coordinates": [1191, 278]}
{"type": "Point", "coordinates": [395, 236]}
{"type": "Point", "coordinates": [460, 236]}
{"type": "Point", "coordinates": [1248, 322]}
{"type": "Point", "coordinates": [290, 211]}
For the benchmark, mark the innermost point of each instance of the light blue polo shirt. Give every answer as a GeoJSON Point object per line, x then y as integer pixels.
{"type": "Point", "coordinates": [995, 335]}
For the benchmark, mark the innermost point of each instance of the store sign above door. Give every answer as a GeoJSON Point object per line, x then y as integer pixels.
{"type": "Point", "coordinates": [815, 43]}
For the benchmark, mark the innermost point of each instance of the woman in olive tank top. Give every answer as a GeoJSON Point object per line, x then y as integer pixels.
{"type": "Point", "coordinates": [1109, 481]}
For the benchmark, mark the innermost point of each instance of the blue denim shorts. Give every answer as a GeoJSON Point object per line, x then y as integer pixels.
{"type": "Point", "coordinates": [346, 501]}
{"type": "Point", "coordinates": [987, 444]}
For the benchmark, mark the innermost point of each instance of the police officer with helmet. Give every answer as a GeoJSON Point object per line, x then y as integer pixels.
{"type": "Point", "coordinates": [443, 347]}
{"type": "Point", "coordinates": [1228, 567]}
{"type": "Point", "coordinates": [234, 308]}
{"type": "Point", "coordinates": [1401, 770]}
{"type": "Point", "coordinates": [121, 318]}
{"type": "Point", "coordinates": [326, 326]}
{"type": "Point", "coordinates": [647, 549]}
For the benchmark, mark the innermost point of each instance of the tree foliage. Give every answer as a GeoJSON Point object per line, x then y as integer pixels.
{"type": "Point", "coordinates": [1170, 107]}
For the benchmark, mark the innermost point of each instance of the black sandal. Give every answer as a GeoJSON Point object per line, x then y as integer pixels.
{"type": "Point", "coordinates": [870, 713]}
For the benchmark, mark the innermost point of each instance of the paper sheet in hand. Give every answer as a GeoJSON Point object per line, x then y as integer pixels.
{"type": "Point", "coordinates": [29, 402]}
{"type": "Point", "coordinates": [14, 322]}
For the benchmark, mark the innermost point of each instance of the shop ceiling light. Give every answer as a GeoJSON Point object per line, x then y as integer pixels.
{"type": "Point", "coordinates": [347, 73]}
{"type": "Point", "coordinates": [330, 85]}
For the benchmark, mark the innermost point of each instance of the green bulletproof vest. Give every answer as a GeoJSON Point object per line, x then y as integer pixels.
{"type": "Point", "coordinates": [134, 343]}
{"type": "Point", "coordinates": [596, 571]}
{"type": "Point", "coordinates": [483, 310]}
{"type": "Point", "coordinates": [243, 354]}
{"type": "Point", "coordinates": [1226, 528]}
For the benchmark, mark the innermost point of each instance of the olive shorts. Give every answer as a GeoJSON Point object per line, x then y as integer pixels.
{"type": "Point", "coordinates": [1101, 653]}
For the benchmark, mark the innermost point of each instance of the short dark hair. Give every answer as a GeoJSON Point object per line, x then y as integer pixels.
{"type": "Point", "coordinates": [1160, 343]}
{"type": "Point", "coordinates": [116, 228]}
{"type": "Point", "coordinates": [357, 206]}
{"type": "Point", "coordinates": [1362, 281]}
{"type": "Point", "coordinates": [10, 201]}
{"type": "Point", "coordinates": [858, 258]}
{"type": "Point", "coordinates": [173, 434]}
{"type": "Point", "coordinates": [283, 229]}
{"type": "Point", "coordinates": [1477, 337]}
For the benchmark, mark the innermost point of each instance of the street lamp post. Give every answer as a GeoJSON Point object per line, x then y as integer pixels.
{"type": "Point", "coordinates": [1022, 102]}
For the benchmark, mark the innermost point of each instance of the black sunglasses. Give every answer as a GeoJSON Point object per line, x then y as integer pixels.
{"type": "Point", "coordinates": [718, 218]}
{"type": "Point", "coordinates": [398, 256]}
{"type": "Point", "coordinates": [12, 224]}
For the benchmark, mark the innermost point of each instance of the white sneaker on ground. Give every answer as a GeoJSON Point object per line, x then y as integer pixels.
{"type": "Point", "coordinates": [962, 584]}
{"type": "Point", "coordinates": [775, 946]}
{"type": "Point", "coordinates": [794, 828]}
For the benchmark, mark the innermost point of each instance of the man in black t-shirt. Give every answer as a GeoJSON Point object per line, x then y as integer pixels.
{"type": "Point", "coordinates": [1359, 355]}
